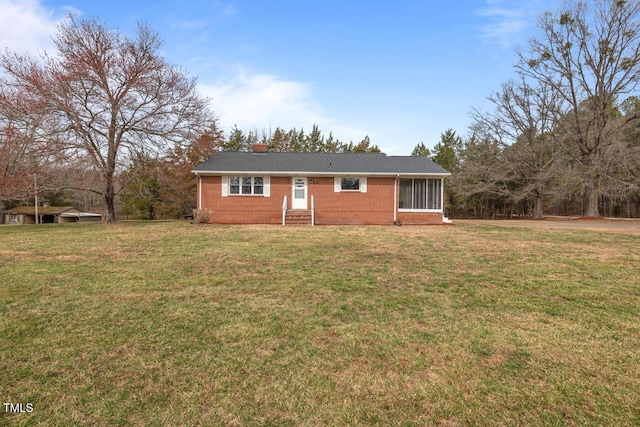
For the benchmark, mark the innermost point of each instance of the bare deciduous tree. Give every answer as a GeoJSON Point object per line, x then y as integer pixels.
{"type": "Point", "coordinates": [522, 124]}
{"type": "Point", "coordinates": [22, 159]}
{"type": "Point", "coordinates": [590, 56]}
{"type": "Point", "coordinates": [483, 177]}
{"type": "Point", "coordinates": [108, 96]}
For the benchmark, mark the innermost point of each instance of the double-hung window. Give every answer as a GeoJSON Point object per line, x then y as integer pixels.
{"type": "Point", "coordinates": [420, 194]}
{"type": "Point", "coordinates": [246, 185]}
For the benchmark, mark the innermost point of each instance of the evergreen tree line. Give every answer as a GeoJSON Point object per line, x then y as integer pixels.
{"type": "Point", "coordinates": [295, 141]}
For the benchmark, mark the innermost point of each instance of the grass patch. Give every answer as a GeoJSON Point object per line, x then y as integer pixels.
{"type": "Point", "coordinates": [171, 323]}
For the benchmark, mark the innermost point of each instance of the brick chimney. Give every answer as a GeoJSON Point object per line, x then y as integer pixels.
{"type": "Point", "coordinates": [260, 148]}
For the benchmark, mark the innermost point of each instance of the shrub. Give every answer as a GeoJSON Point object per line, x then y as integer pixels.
{"type": "Point", "coordinates": [202, 216]}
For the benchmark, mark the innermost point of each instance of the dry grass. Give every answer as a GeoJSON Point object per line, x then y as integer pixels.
{"type": "Point", "coordinates": [171, 323]}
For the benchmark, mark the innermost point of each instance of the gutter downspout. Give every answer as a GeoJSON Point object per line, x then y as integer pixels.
{"type": "Point", "coordinates": [35, 189]}
{"type": "Point", "coordinates": [395, 201]}
{"type": "Point", "coordinates": [199, 191]}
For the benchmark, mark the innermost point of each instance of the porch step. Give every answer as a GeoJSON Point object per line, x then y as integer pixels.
{"type": "Point", "coordinates": [446, 220]}
{"type": "Point", "coordinates": [298, 217]}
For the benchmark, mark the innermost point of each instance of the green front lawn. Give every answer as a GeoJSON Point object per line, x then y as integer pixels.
{"type": "Point", "coordinates": [178, 324]}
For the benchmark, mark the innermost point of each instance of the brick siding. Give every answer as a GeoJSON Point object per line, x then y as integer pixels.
{"type": "Point", "coordinates": [375, 207]}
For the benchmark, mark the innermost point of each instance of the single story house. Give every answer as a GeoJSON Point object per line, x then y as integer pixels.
{"type": "Point", "coordinates": [262, 187]}
{"type": "Point", "coordinates": [48, 215]}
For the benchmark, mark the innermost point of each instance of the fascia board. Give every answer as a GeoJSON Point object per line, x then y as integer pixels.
{"type": "Point", "coordinates": [335, 173]}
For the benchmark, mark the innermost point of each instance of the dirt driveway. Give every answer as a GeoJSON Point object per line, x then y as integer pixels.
{"type": "Point", "coordinates": [619, 226]}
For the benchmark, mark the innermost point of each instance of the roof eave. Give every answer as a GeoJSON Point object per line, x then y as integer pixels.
{"type": "Point", "coordinates": [311, 173]}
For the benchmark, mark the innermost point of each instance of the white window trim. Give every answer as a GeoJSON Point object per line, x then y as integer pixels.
{"type": "Point", "coordinates": [420, 210]}
{"type": "Point", "coordinates": [337, 184]}
{"type": "Point", "coordinates": [441, 210]}
{"type": "Point", "coordinates": [266, 186]}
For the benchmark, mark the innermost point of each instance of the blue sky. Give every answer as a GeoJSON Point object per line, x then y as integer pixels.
{"type": "Point", "coordinates": [402, 72]}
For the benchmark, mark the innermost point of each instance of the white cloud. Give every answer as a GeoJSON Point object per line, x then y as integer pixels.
{"type": "Point", "coordinates": [248, 100]}
{"type": "Point", "coordinates": [509, 21]}
{"type": "Point", "coordinates": [264, 102]}
{"type": "Point", "coordinates": [504, 24]}
{"type": "Point", "coordinates": [228, 9]}
{"type": "Point", "coordinates": [26, 26]}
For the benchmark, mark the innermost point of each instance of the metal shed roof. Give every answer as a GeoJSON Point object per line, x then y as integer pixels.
{"type": "Point", "coordinates": [42, 210]}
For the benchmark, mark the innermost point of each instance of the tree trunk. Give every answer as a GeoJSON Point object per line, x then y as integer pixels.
{"type": "Point", "coordinates": [590, 177]}
{"type": "Point", "coordinates": [109, 201]}
{"type": "Point", "coordinates": [537, 210]}
{"type": "Point", "coordinates": [590, 196]}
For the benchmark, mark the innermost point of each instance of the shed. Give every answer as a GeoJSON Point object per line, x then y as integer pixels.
{"type": "Point", "coordinates": [48, 215]}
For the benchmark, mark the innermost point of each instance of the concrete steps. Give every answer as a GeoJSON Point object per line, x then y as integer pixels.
{"type": "Point", "coordinates": [298, 217]}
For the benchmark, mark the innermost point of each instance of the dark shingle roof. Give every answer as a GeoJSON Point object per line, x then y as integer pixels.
{"type": "Point", "coordinates": [318, 163]}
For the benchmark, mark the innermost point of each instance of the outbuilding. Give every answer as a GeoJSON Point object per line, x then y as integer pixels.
{"type": "Point", "coordinates": [48, 215]}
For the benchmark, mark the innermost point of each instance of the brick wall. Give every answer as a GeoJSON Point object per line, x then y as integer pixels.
{"type": "Point", "coordinates": [244, 209]}
{"type": "Point", "coordinates": [375, 207]}
{"type": "Point", "coordinates": [419, 218]}
{"type": "Point", "coordinates": [353, 207]}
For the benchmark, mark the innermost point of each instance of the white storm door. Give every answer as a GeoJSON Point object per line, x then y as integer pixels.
{"type": "Point", "coordinates": [299, 193]}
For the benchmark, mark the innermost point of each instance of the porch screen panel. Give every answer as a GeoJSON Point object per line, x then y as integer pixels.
{"type": "Point", "coordinates": [404, 196]}
{"type": "Point", "coordinates": [434, 201]}
{"type": "Point", "coordinates": [419, 194]}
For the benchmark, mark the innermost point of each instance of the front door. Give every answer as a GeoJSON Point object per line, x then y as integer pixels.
{"type": "Point", "coordinates": [299, 193]}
